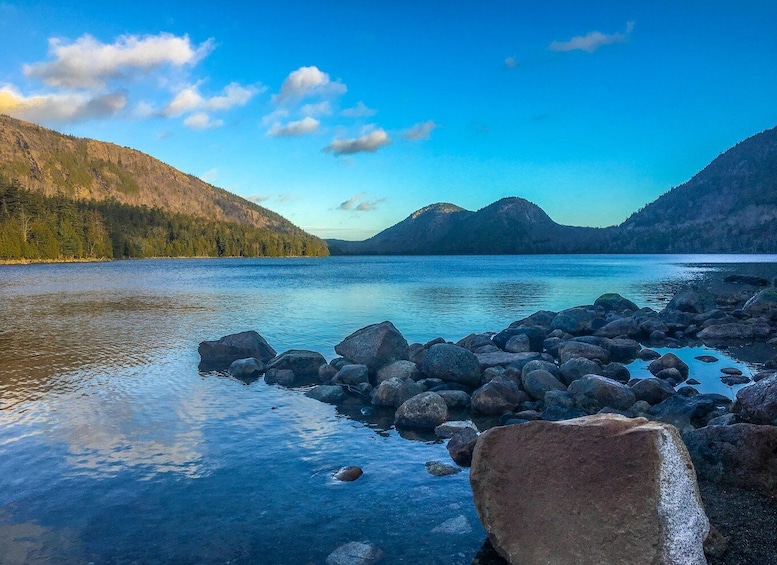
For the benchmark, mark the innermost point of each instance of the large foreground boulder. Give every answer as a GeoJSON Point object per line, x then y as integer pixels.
{"type": "Point", "coordinates": [599, 489]}
{"type": "Point", "coordinates": [221, 353]}
{"type": "Point", "coordinates": [375, 346]}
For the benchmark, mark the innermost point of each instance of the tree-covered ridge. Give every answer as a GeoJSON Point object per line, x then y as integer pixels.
{"type": "Point", "coordinates": [38, 227]}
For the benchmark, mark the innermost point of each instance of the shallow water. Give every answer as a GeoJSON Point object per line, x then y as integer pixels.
{"type": "Point", "coordinates": [115, 449]}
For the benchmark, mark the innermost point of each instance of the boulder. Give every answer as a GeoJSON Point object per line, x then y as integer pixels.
{"type": "Point", "coordinates": [452, 363]}
{"type": "Point", "coordinates": [455, 399]}
{"type": "Point", "coordinates": [541, 318]}
{"type": "Point", "coordinates": [626, 493]}
{"type": "Point", "coordinates": [687, 413]}
{"type": "Point", "coordinates": [447, 429]}
{"type": "Point", "coordinates": [326, 373]}
{"type": "Point", "coordinates": [400, 369]}
{"type": "Point", "coordinates": [440, 469]}
{"type": "Point", "coordinates": [742, 455]}
{"type": "Point", "coordinates": [762, 304]}
{"type": "Point", "coordinates": [575, 321]}
{"type": "Point", "coordinates": [355, 553]}
{"type": "Point", "coordinates": [616, 372]}
{"type": "Point", "coordinates": [552, 368]}
{"type": "Point", "coordinates": [331, 394]}
{"type": "Point", "coordinates": [572, 349]}
{"type": "Point", "coordinates": [557, 413]}
{"type": "Point", "coordinates": [474, 341]}
{"type": "Point", "coordinates": [558, 398]}
{"type": "Point", "coordinates": [623, 350]}
{"type": "Point", "coordinates": [351, 375]}
{"type": "Point", "coordinates": [577, 368]}
{"type": "Point", "coordinates": [722, 333]}
{"type": "Point", "coordinates": [283, 377]}
{"type": "Point", "coordinates": [535, 335]}
{"type": "Point", "coordinates": [395, 391]}
{"type": "Point", "coordinates": [615, 302]}
{"type": "Point", "coordinates": [653, 390]}
{"type": "Point", "coordinates": [502, 358]}
{"type": "Point", "coordinates": [375, 346]}
{"type": "Point", "coordinates": [594, 392]}
{"type": "Point", "coordinates": [247, 369]}
{"type": "Point", "coordinates": [461, 445]}
{"type": "Point", "coordinates": [220, 354]}
{"type": "Point", "coordinates": [619, 327]}
{"type": "Point", "coordinates": [303, 363]}
{"type": "Point", "coordinates": [348, 474]}
{"type": "Point", "coordinates": [757, 403]}
{"type": "Point", "coordinates": [423, 411]}
{"type": "Point", "coordinates": [692, 300]}
{"type": "Point", "coordinates": [416, 353]}
{"type": "Point", "coordinates": [497, 396]}
{"type": "Point", "coordinates": [537, 383]}
{"type": "Point", "coordinates": [518, 344]}
{"type": "Point", "coordinates": [669, 361]}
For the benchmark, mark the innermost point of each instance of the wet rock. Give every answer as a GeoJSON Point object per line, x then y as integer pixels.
{"type": "Point", "coordinates": [575, 321]}
{"type": "Point", "coordinates": [730, 371]}
{"type": "Point", "coordinates": [416, 353]}
{"type": "Point", "coordinates": [455, 399]}
{"type": "Point", "coordinates": [439, 469]}
{"type": "Point", "coordinates": [424, 411]}
{"type": "Point", "coordinates": [348, 474]}
{"type": "Point", "coordinates": [761, 375]}
{"type": "Point", "coordinates": [577, 368]}
{"type": "Point", "coordinates": [692, 382]}
{"type": "Point", "coordinates": [394, 392]}
{"type": "Point", "coordinates": [653, 390]}
{"type": "Point", "coordinates": [447, 429]}
{"type": "Point", "coordinates": [594, 392]}
{"type": "Point", "coordinates": [497, 396]}
{"type": "Point", "coordinates": [303, 363]}
{"type": "Point", "coordinates": [762, 304]}
{"type": "Point", "coordinates": [669, 361]}
{"type": "Point", "coordinates": [283, 377]}
{"type": "Point", "coordinates": [616, 372]}
{"type": "Point", "coordinates": [706, 358]}
{"type": "Point", "coordinates": [623, 350]}
{"type": "Point", "coordinates": [676, 320]}
{"type": "Point", "coordinates": [355, 553]}
{"type": "Point", "coordinates": [247, 369]}
{"type": "Point", "coordinates": [457, 526]}
{"type": "Point", "coordinates": [573, 349]}
{"type": "Point", "coordinates": [733, 380]}
{"type": "Point", "coordinates": [615, 302]}
{"type": "Point", "coordinates": [461, 445]}
{"type": "Point", "coordinates": [375, 346]}
{"type": "Point", "coordinates": [653, 324]}
{"type": "Point", "coordinates": [535, 335]}
{"type": "Point", "coordinates": [742, 455]}
{"type": "Point", "coordinates": [687, 413]}
{"type": "Point", "coordinates": [537, 383]}
{"type": "Point", "coordinates": [452, 363]}
{"type": "Point", "coordinates": [692, 300]}
{"type": "Point", "coordinates": [331, 394]}
{"type": "Point", "coordinates": [620, 327]}
{"type": "Point", "coordinates": [351, 375]}
{"type": "Point", "coordinates": [401, 369]}
{"type": "Point", "coordinates": [648, 354]}
{"type": "Point", "coordinates": [757, 403]}
{"type": "Point", "coordinates": [628, 492]}
{"type": "Point", "coordinates": [221, 353]}
{"type": "Point", "coordinates": [670, 375]}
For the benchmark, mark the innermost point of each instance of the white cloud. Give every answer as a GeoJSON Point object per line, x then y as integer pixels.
{"type": "Point", "coordinates": [357, 204]}
{"type": "Point", "coordinates": [201, 121]}
{"type": "Point", "coordinates": [294, 129]}
{"type": "Point", "coordinates": [186, 100]}
{"type": "Point", "coordinates": [421, 131]}
{"type": "Point", "coordinates": [320, 109]}
{"type": "Point", "coordinates": [511, 63]}
{"type": "Point", "coordinates": [275, 116]}
{"type": "Point", "coordinates": [591, 41]}
{"type": "Point", "coordinates": [88, 64]}
{"type": "Point", "coordinates": [190, 99]}
{"type": "Point", "coordinates": [370, 142]}
{"type": "Point", "coordinates": [233, 95]}
{"type": "Point", "coordinates": [308, 81]}
{"type": "Point", "coordinates": [68, 107]}
{"type": "Point", "coordinates": [359, 111]}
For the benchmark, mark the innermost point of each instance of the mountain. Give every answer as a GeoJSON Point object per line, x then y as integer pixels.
{"type": "Point", "coordinates": [728, 207]}
{"type": "Point", "coordinates": [58, 193]}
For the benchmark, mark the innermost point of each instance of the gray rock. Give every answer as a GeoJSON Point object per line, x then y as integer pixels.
{"type": "Point", "coordinates": [541, 318]}
{"type": "Point", "coordinates": [424, 411]}
{"type": "Point", "coordinates": [348, 474]}
{"type": "Point", "coordinates": [474, 341]}
{"type": "Point", "coordinates": [669, 361]}
{"type": "Point", "coordinates": [575, 320]}
{"type": "Point", "coordinates": [648, 354]}
{"type": "Point", "coordinates": [619, 327]}
{"type": "Point", "coordinates": [283, 377]}
{"type": "Point", "coordinates": [762, 304]}
{"type": "Point", "coordinates": [447, 429]}
{"type": "Point", "coordinates": [692, 300]}
{"type": "Point", "coordinates": [552, 368]}
{"type": "Point", "coordinates": [435, 385]}
{"type": "Point", "coordinates": [375, 346]}
{"type": "Point", "coordinates": [518, 344]}
{"type": "Point", "coordinates": [616, 372]}
{"type": "Point", "coordinates": [722, 333]}
{"type": "Point", "coordinates": [452, 363]}
{"type": "Point", "coordinates": [577, 368]}
{"type": "Point", "coordinates": [351, 375]}
{"type": "Point", "coordinates": [246, 369]}
{"type": "Point", "coordinates": [757, 403]}
{"type": "Point", "coordinates": [594, 392]}
{"type": "Point", "coordinates": [497, 359]}
{"type": "Point", "coordinates": [457, 526]}
{"type": "Point", "coordinates": [734, 380]}
{"type": "Point", "coordinates": [623, 350]}
{"type": "Point", "coordinates": [394, 392]}
{"type": "Point", "coordinates": [688, 413]}
{"type": "Point", "coordinates": [724, 420]}
{"type": "Point", "coordinates": [221, 353]}
{"type": "Point", "coordinates": [670, 375]}
{"type": "Point", "coordinates": [535, 335]}
{"type": "Point", "coordinates": [537, 383]}
{"type": "Point", "coordinates": [461, 445]}
{"type": "Point", "coordinates": [559, 398]}
{"type": "Point", "coordinates": [439, 469]}
{"type": "Point", "coordinates": [402, 369]}
{"type": "Point", "coordinates": [331, 394]}
{"type": "Point", "coordinates": [574, 349]}
{"type": "Point", "coordinates": [455, 399]}
{"type": "Point", "coordinates": [497, 396]}
{"type": "Point", "coordinates": [326, 373]}
{"type": "Point", "coordinates": [303, 363]}
{"type": "Point", "coordinates": [653, 390]}
{"type": "Point", "coordinates": [615, 302]}
{"type": "Point", "coordinates": [559, 413]}
{"type": "Point", "coordinates": [355, 553]}
{"type": "Point", "coordinates": [416, 353]}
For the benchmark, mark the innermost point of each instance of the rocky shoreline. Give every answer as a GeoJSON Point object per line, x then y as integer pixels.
{"type": "Point", "coordinates": [558, 366]}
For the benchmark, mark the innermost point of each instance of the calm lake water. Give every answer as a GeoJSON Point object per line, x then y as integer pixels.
{"type": "Point", "coordinates": [115, 449]}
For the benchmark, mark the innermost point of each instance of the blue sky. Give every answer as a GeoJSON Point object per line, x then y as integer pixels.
{"type": "Point", "coordinates": [347, 116]}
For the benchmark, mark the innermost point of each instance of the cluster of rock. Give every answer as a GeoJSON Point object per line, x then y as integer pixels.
{"type": "Point", "coordinates": [552, 367]}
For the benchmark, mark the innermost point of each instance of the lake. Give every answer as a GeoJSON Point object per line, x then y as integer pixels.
{"type": "Point", "coordinates": [115, 449]}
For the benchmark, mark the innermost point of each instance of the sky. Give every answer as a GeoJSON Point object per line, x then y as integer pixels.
{"type": "Point", "coordinates": [346, 116]}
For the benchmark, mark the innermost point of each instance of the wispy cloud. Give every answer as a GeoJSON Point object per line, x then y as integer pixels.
{"type": "Point", "coordinates": [308, 81]}
{"type": "Point", "coordinates": [68, 107]}
{"type": "Point", "coordinates": [358, 204]}
{"type": "Point", "coordinates": [258, 198]}
{"type": "Point", "coordinates": [359, 111]}
{"type": "Point", "coordinates": [511, 63]}
{"type": "Point", "coordinates": [189, 99]}
{"type": "Point", "coordinates": [88, 64]}
{"type": "Point", "coordinates": [294, 129]}
{"type": "Point", "coordinates": [369, 142]}
{"type": "Point", "coordinates": [421, 131]}
{"type": "Point", "coordinates": [591, 41]}
{"type": "Point", "coordinates": [201, 121]}
{"type": "Point", "coordinates": [323, 108]}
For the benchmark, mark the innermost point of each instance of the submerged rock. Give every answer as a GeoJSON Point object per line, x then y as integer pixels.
{"type": "Point", "coordinates": [355, 553]}
{"type": "Point", "coordinates": [457, 525]}
{"type": "Point", "coordinates": [627, 493]}
{"type": "Point", "coordinates": [221, 353]}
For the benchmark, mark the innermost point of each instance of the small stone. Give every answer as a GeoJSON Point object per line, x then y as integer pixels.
{"type": "Point", "coordinates": [730, 371]}
{"type": "Point", "coordinates": [457, 525]}
{"type": "Point", "coordinates": [439, 469]}
{"type": "Point", "coordinates": [355, 553]}
{"type": "Point", "coordinates": [461, 446]}
{"type": "Point", "coordinates": [348, 474]}
{"type": "Point", "coordinates": [715, 545]}
{"type": "Point", "coordinates": [706, 358]}
{"type": "Point", "coordinates": [331, 394]}
{"type": "Point", "coordinates": [733, 380]}
{"type": "Point", "coordinates": [447, 429]}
